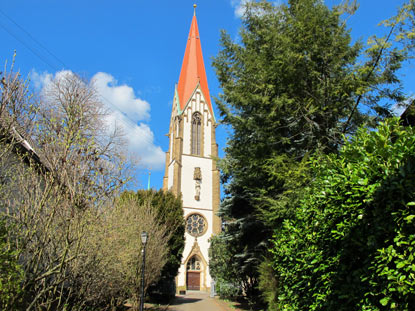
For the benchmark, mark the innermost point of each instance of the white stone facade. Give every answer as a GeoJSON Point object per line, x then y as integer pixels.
{"type": "Point", "coordinates": [199, 191]}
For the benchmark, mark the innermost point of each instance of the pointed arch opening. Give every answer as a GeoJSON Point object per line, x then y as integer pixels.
{"type": "Point", "coordinates": [193, 269]}
{"type": "Point", "coordinates": [194, 264]}
{"type": "Point", "coordinates": [197, 134]}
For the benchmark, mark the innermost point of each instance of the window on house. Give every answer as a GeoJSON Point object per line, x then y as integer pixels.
{"type": "Point", "coordinates": [196, 133]}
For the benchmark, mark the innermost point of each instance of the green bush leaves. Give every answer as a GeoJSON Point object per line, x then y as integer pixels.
{"type": "Point", "coordinates": [350, 245]}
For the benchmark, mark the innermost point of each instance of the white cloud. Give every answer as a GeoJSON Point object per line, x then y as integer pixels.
{"type": "Point", "coordinates": [140, 140]}
{"type": "Point", "coordinates": [239, 6]}
{"type": "Point", "coordinates": [45, 78]}
{"type": "Point", "coordinates": [121, 96]}
{"type": "Point", "coordinates": [126, 112]}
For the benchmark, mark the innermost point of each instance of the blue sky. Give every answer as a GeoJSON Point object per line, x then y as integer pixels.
{"type": "Point", "coordinates": [134, 51]}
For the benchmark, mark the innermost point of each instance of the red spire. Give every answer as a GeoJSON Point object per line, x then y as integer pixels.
{"type": "Point", "coordinates": [193, 69]}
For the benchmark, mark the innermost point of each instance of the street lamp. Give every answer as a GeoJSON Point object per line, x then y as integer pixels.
{"type": "Point", "coordinates": [144, 237]}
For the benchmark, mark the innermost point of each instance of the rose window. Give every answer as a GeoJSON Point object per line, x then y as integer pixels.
{"type": "Point", "coordinates": [196, 225]}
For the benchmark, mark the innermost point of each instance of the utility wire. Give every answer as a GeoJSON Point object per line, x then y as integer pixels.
{"type": "Point", "coordinates": [33, 38]}
{"type": "Point", "coordinates": [129, 123]}
{"type": "Point", "coordinates": [28, 47]}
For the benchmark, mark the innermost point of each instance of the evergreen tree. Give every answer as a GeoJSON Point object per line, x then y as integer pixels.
{"type": "Point", "coordinates": [293, 84]}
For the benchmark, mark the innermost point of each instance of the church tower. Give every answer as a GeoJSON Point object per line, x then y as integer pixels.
{"type": "Point", "coordinates": [191, 167]}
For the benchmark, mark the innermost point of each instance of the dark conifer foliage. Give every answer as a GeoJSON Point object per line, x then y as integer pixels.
{"type": "Point", "coordinates": [292, 84]}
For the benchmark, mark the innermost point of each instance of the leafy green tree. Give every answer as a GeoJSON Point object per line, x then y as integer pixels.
{"type": "Point", "coordinates": [351, 243]}
{"type": "Point", "coordinates": [293, 84]}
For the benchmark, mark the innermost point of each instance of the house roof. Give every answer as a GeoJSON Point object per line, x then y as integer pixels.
{"type": "Point", "coordinates": [13, 133]}
{"type": "Point", "coordinates": [193, 71]}
{"type": "Point", "coordinates": [408, 116]}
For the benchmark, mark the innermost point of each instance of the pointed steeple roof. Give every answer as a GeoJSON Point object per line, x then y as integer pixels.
{"type": "Point", "coordinates": [193, 69]}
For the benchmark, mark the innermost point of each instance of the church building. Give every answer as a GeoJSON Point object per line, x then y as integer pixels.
{"type": "Point", "coordinates": [191, 167]}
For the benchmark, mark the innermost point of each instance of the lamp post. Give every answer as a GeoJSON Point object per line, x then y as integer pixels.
{"type": "Point", "coordinates": [144, 237]}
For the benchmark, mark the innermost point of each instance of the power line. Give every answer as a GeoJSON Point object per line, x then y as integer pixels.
{"type": "Point", "coordinates": [28, 47]}
{"type": "Point", "coordinates": [33, 38]}
{"type": "Point", "coordinates": [129, 123]}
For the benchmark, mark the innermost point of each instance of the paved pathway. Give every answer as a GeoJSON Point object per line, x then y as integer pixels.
{"type": "Point", "coordinates": [197, 301]}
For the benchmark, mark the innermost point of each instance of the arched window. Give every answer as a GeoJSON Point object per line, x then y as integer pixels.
{"type": "Point", "coordinates": [193, 264]}
{"type": "Point", "coordinates": [196, 133]}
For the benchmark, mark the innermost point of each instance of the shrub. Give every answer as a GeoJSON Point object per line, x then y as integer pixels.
{"type": "Point", "coordinates": [108, 269]}
{"type": "Point", "coordinates": [351, 243]}
{"type": "Point", "coordinates": [169, 212]}
{"type": "Point", "coordinates": [227, 290]}
{"type": "Point", "coordinates": [11, 273]}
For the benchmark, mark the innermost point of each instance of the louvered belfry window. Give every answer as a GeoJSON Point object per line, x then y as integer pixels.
{"type": "Point", "coordinates": [196, 133]}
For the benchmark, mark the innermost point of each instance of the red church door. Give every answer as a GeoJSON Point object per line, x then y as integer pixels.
{"type": "Point", "coordinates": [193, 280]}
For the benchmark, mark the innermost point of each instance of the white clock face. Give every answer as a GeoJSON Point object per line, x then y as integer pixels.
{"type": "Point", "coordinates": [196, 225]}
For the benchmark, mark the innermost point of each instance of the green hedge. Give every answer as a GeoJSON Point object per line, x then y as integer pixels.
{"type": "Point", "coordinates": [351, 243]}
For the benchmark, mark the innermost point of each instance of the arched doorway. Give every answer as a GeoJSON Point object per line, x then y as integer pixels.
{"type": "Point", "coordinates": [193, 273]}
